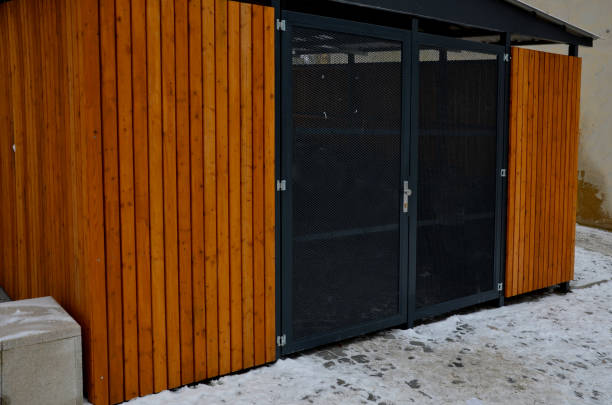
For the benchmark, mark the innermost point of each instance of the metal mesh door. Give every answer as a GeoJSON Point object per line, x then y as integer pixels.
{"type": "Point", "coordinates": [457, 144]}
{"type": "Point", "coordinates": [346, 114]}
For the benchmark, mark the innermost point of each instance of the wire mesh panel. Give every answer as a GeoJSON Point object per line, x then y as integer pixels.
{"type": "Point", "coordinates": [346, 114]}
{"type": "Point", "coordinates": [456, 174]}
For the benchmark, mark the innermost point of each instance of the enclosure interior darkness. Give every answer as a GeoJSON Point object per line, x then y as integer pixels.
{"type": "Point", "coordinates": [457, 173]}
{"type": "Point", "coordinates": [346, 168]}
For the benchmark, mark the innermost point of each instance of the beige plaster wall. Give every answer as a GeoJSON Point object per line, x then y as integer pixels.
{"type": "Point", "coordinates": [595, 148]}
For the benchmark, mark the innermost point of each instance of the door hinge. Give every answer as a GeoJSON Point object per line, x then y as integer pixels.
{"type": "Point", "coordinates": [281, 185]}
{"type": "Point", "coordinates": [502, 172]}
{"type": "Point", "coordinates": [507, 57]}
{"type": "Point", "coordinates": [281, 340]}
{"type": "Point", "coordinates": [500, 287]}
{"type": "Point", "coordinates": [281, 25]}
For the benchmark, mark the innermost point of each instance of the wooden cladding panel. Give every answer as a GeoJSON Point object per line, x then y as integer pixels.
{"type": "Point", "coordinates": [542, 170]}
{"type": "Point", "coordinates": [188, 93]}
{"type": "Point", "coordinates": [141, 190]}
{"type": "Point", "coordinates": [52, 226]}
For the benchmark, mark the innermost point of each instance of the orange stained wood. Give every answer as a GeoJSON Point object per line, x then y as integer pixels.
{"type": "Point", "coordinates": [246, 181]}
{"type": "Point", "coordinates": [147, 209]}
{"type": "Point", "coordinates": [156, 197]}
{"type": "Point", "coordinates": [235, 228]}
{"type": "Point", "coordinates": [542, 183]}
{"type": "Point", "coordinates": [141, 193]}
{"type": "Point", "coordinates": [184, 191]}
{"type": "Point", "coordinates": [222, 162]}
{"type": "Point", "coordinates": [51, 169]}
{"type": "Point", "coordinates": [258, 188]}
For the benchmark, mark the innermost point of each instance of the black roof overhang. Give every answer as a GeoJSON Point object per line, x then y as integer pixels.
{"type": "Point", "coordinates": [525, 24]}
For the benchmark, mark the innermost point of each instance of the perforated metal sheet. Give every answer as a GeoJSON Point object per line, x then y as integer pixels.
{"type": "Point", "coordinates": [457, 174]}
{"type": "Point", "coordinates": [347, 92]}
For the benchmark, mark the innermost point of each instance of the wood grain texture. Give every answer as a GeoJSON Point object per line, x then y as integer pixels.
{"type": "Point", "coordinates": [235, 228]}
{"type": "Point", "coordinates": [51, 167]}
{"type": "Point", "coordinates": [184, 190]}
{"type": "Point", "coordinates": [258, 187]}
{"type": "Point", "coordinates": [141, 191]}
{"type": "Point", "coordinates": [246, 181]}
{"type": "Point", "coordinates": [222, 161]}
{"type": "Point", "coordinates": [169, 164]}
{"type": "Point", "coordinates": [542, 167]}
{"type": "Point", "coordinates": [148, 208]}
{"type": "Point", "coordinates": [126, 198]}
{"type": "Point", "coordinates": [156, 199]}
{"type": "Point", "coordinates": [269, 185]}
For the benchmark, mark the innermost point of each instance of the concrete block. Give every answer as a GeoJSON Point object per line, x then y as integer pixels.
{"type": "Point", "coordinates": [40, 354]}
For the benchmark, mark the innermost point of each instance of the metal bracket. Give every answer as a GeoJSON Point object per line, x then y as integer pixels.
{"type": "Point", "coordinates": [281, 340]}
{"type": "Point", "coordinates": [507, 57]}
{"type": "Point", "coordinates": [281, 185]}
{"type": "Point", "coordinates": [502, 172]}
{"type": "Point", "coordinates": [281, 25]}
{"type": "Point", "coordinates": [500, 287]}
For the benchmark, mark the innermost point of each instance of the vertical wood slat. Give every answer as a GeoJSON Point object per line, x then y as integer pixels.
{"type": "Point", "coordinates": [91, 284]}
{"type": "Point", "coordinates": [156, 190]}
{"type": "Point", "coordinates": [222, 160]}
{"type": "Point", "coordinates": [563, 171]}
{"type": "Point", "coordinates": [529, 164]}
{"type": "Point", "coordinates": [548, 159]}
{"type": "Point", "coordinates": [557, 167]}
{"type": "Point", "coordinates": [186, 183]}
{"type": "Point", "coordinates": [258, 187]}
{"type": "Point", "coordinates": [269, 184]}
{"type": "Point", "coordinates": [210, 188]}
{"type": "Point", "coordinates": [126, 197]}
{"type": "Point", "coordinates": [111, 200]}
{"type": "Point", "coordinates": [8, 227]}
{"type": "Point", "coordinates": [246, 178]}
{"type": "Point", "coordinates": [169, 164]}
{"type": "Point", "coordinates": [542, 169]}
{"type": "Point", "coordinates": [235, 228]}
{"type": "Point", "coordinates": [197, 188]}
{"type": "Point", "coordinates": [539, 177]}
{"type": "Point", "coordinates": [141, 192]}
{"type": "Point", "coordinates": [184, 191]}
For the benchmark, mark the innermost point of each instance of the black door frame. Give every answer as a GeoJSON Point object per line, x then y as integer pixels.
{"type": "Point", "coordinates": [411, 40]}
{"type": "Point", "coordinates": [286, 148]}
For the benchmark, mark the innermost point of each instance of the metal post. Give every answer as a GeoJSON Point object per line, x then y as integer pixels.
{"type": "Point", "coordinates": [414, 61]}
{"type": "Point", "coordinates": [506, 41]}
{"type": "Point", "coordinates": [277, 172]}
{"type": "Point", "coordinates": [573, 50]}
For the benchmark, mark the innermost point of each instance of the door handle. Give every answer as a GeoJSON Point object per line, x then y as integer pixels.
{"type": "Point", "coordinates": [407, 193]}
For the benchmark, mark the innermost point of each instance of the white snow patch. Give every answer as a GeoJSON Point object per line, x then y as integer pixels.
{"type": "Point", "coordinates": [22, 334]}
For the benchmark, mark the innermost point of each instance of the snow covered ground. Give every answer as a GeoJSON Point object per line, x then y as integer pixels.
{"type": "Point", "coordinates": [545, 348]}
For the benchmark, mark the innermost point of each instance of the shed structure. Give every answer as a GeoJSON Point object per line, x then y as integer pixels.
{"type": "Point", "coordinates": [207, 185]}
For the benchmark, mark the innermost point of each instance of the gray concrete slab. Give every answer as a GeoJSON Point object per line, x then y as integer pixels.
{"type": "Point", "coordinates": [40, 354]}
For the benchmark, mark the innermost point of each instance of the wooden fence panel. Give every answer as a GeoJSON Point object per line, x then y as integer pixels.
{"type": "Point", "coordinates": [542, 183]}
{"type": "Point", "coordinates": [137, 171]}
{"type": "Point", "coordinates": [51, 172]}
{"type": "Point", "coordinates": [189, 159]}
